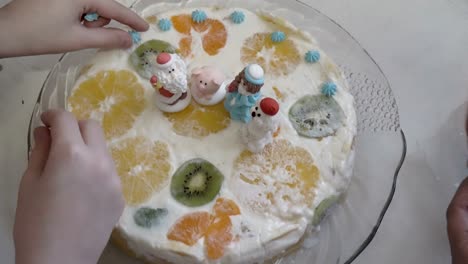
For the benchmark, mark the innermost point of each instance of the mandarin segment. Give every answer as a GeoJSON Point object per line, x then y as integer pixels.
{"type": "Point", "coordinates": [199, 121]}
{"type": "Point", "coordinates": [225, 207]}
{"type": "Point", "coordinates": [218, 237]}
{"type": "Point", "coordinates": [213, 34]}
{"type": "Point", "coordinates": [143, 167]}
{"type": "Point", "coordinates": [282, 174]}
{"type": "Point", "coordinates": [216, 37]}
{"type": "Point", "coordinates": [182, 23]}
{"type": "Point", "coordinates": [275, 58]}
{"type": "Point", "coordinates": [185, 46]}
{"type": "Point", "coordinates": [115, 98]}
{"type": "Point", "coordinates": [190, 228]}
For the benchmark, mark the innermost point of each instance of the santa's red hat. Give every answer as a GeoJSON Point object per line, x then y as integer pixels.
{"type": "Point", "coordinates": [269, 106]}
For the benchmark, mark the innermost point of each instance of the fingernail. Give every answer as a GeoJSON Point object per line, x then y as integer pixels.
{"type": "Point", "coordinates": [128, 42]}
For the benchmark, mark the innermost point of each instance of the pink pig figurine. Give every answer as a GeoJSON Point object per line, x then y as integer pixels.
{"type": "Point", "coordinates": [208, 85]}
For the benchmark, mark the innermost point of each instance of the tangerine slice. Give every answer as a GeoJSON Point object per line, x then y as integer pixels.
{"type": "Point", "coordinates": [199, 121]}
{"type": "Point", "coordinates": [215, 37]}
{"type": "Point", "coordinates": [218, 237]}
{"type": "Point", "coordinates": [225, 207]}
{"type": "Point", "coordinates": [190, 228]}
{"type": "Point", "coordinates": [182, 24]}
{"type": "Point", "coordinates": [115, 98]}
{"type": "Point", "coordinates": [213, 34]}
{"type": "Point", "coordinates": [275, 58]}
{"type": "Point", "coordinates": [282, 174]}
{"type": "Point", "coordinates": [143, 167]}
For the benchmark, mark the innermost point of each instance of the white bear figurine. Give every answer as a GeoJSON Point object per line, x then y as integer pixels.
{"type": "Point", "coordinates": [265, 122]}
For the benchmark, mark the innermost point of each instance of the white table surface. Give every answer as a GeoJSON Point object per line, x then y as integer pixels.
{"type": "Point", "coordinates": [421, 46]}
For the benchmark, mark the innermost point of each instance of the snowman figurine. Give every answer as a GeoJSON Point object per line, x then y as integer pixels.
{"type": "Point", "coordinates": [244, 92]}
{"type": "Point", "coordinates": [169, 79]}
{"type": "Point", "coordinates": [265, 122]}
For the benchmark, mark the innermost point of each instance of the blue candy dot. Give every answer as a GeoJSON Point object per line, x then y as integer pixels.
{"type": "Point", "coordinates": [90, 17]}
{"type": "Point", "coordinates": [329, 89]}
{"type": "Point", "coordinates": [136, 38]}
{"type": "Point", "coordinates": [199, 16]}
{"type": "Point", "coordinates": [165, 24]}
{"type": "Point", "coordinates": [238, 17]}
{"type": "Point", "coordinates": [312, 56]}
{"type": "Point", "coordinates": [278, 36]}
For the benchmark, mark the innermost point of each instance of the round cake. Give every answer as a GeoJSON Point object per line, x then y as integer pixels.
{"type": "Point", "coordinates": [232, 133]}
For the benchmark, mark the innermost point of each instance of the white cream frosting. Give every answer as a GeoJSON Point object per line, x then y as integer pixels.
{"type": "Point", "coordinates": [262, 236]}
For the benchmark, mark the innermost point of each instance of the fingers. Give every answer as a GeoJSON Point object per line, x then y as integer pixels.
{"type": "Point", "coordinates": [98, 23]}
{"type": "Point", "coordinates": [40, 152]}
{"type": "Point", "coordinates": [63, 126]}
{"type": "Point", "coordinates": [457, 221]}
{"type": "Point", "coordinates": [105, 38]}
{"type": "Point", "coordinates": [92, 133]}
{"type": "Point", "coordinates": [113, 10]}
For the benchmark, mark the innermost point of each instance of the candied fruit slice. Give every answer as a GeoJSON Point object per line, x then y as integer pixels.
{"type": "Point", "coordinates": [225, 207]}
{"type": "Point", "coordinates": [190, 228]}
{"type": "Point", "coordinates": [143, 167]}
{"type": "Point", "coordinates": [151, 19]}
{"type": "Point", "coordinates": [218, 237]}
{"type": "Point", "coordinates": [115, 98]}
{"type": "Point", "coordinates": [275, 58]}
{"type": "Point", "coordinates": [199, 121]}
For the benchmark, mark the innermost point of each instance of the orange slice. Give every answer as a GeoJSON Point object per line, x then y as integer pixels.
{"type": "Point", "coordinates": [275, 58]}
{"type": "Point", "coordinates": [199, 121]}
{"type": "Point", "coordinates": [115, 98]}
{"type": "Point", "coordinates": [143, 167]}
{"type": "Point", "coordinates": [212, 32]}
{"type": "Point", "coordinates": [225, 207]}
{"type": "Point", "coordinates": [218, 237]}
{"type": "Point", "coordinates": [281, 174]}
{"type": "Point", "coordinates": [190, 228]}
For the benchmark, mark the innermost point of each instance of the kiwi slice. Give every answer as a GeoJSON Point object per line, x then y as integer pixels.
{"type": "Point", "coordinates": [316, 116]}
{"type": "Point", "coordinates": [322, 209]}
{"type": "Point", "coordinates": [196, 183]}
{"type": "Point", "coordinates": [140, 58]}
{"type": "Point", "coordinates": [147, 217]}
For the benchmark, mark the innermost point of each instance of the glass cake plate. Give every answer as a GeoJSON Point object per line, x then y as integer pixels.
{"type": "Point", "coordinates": [352, 224]}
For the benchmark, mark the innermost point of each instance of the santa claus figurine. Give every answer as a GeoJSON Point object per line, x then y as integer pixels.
{"type": "Point", "coordinates": [244, 92]}
{"type": "Point", "coordinates": [170, 82]}
{"type": "Point", "coordinates": [265, 122]}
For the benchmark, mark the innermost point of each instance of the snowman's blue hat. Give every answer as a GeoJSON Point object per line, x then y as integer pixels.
{"type": "Point", "coordinates": [254, 74]}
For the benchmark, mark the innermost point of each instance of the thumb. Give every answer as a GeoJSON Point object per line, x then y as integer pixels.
{"type": "Point", "coordinates": [40, 152]}
{"type": "Point", "coordinates": [105, 38]}
{"type": "Point", "coordinates": [457, 224]}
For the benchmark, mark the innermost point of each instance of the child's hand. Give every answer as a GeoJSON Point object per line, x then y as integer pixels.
{"type": "Point", "coordinates": [70, 196]}
{"type": "Point", "coordinates": [29, 27]}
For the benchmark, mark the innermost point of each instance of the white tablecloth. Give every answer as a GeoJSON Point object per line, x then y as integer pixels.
{"type": "Point", "coordinates": [421, 46]}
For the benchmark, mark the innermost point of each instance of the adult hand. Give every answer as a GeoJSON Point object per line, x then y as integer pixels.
{"type": "Point", "coordinates": [70, 196]}
{"type": "Point", "coordinates": [30, 27]}
{"type": "Point", "coordinates": [457, 221]}
{"type": "Point", "coordinates": [457, 224]}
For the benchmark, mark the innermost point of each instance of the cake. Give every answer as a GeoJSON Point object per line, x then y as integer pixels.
{"type": "Point", "coordinates": [232, 133]}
